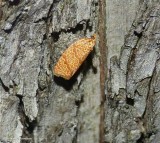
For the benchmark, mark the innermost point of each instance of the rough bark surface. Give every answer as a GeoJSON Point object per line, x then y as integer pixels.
{"type": "Point", "coordinates": [132, 114]}
{"type": "Point", "coordinates": [37, 107]}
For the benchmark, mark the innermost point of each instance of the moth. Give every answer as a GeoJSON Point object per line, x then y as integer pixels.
{"type": "Point", "coordinates": [73, 57]}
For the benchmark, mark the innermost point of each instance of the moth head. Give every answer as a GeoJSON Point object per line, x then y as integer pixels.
{"type": "Point", "coordinates": [94, 36]}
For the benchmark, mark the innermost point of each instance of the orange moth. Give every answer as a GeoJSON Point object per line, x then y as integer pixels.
{"type": "Point", "coordinates": [73, 57]}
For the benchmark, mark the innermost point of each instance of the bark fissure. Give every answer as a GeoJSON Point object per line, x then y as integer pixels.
{"type": "Point", "coordinates": [103, 65]}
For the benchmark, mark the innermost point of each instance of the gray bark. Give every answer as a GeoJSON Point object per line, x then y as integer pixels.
{"type": "Point", "coordinates": [36, 106]}
{"type": "Point", "coordinates": [132, 115]}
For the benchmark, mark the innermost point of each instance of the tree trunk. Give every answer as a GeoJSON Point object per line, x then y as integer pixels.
{"type": "Point", "coordinates": [112, 98]}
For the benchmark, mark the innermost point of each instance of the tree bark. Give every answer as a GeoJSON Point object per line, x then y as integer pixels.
{"type": "Point", "coordinates": [132, 115]}
{"type": "Point", "coordinates": [112, 98]}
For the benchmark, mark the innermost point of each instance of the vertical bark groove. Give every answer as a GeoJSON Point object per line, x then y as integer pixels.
{"type": "Point", "coordinates": [103, 61]}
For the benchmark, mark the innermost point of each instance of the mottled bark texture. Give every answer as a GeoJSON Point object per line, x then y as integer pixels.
{"type": "Point", "coordinates": [37, 107]}
{"type": "Point", "coordinates": [132, 114]}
